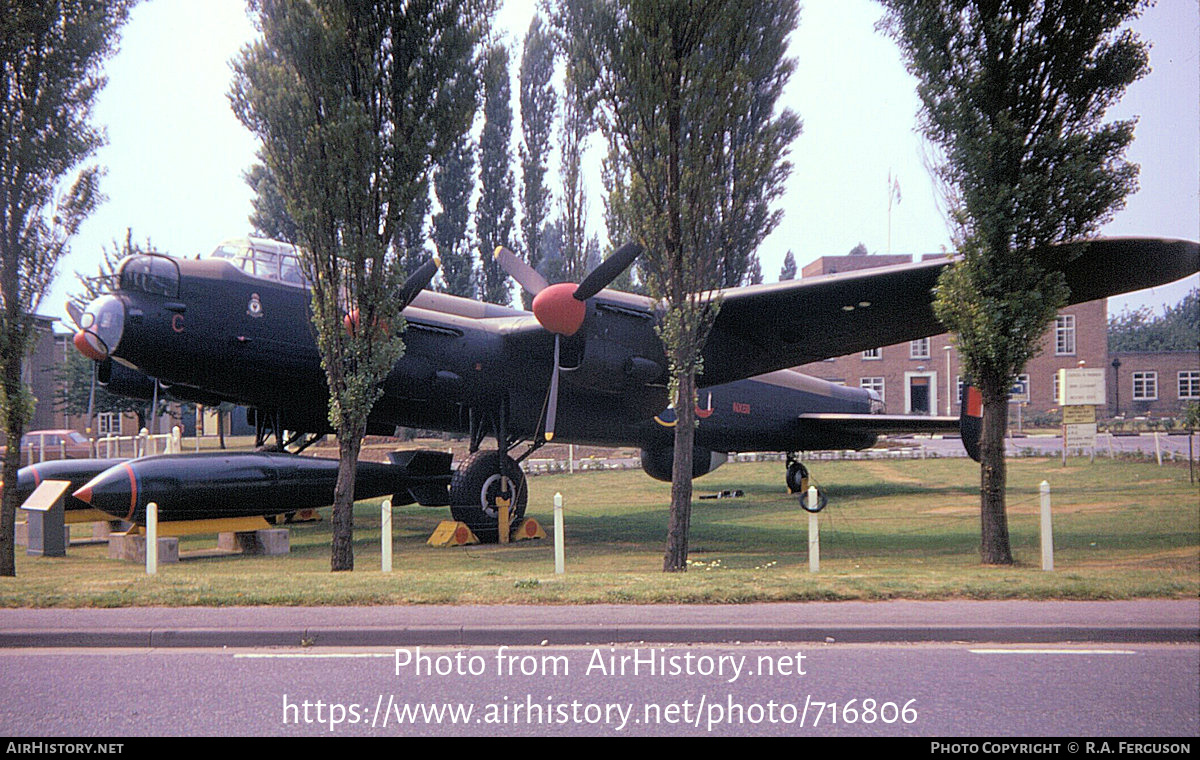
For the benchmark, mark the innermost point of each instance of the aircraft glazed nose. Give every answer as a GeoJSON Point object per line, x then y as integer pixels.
{"type": "Point", "coordinates": [100, 328]}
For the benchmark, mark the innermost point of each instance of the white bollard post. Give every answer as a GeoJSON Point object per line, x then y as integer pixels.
{"type": "Point", "coordinates": [558, 534]}
{"type": "Point", "coordinates": [385, 534]}
{"type": "Point", "coordinates": [1157, 449]}
{"type": "Point", "coordinates": [814, 534]}
{"type": "Point", "coordinates": [175, 445]}
{"type": "Point", "coordinates": [1047, 532]}
{"type": "Point", "coordinates": [151, 538]}
{"type": "Point", "coordinates": [571, 459]}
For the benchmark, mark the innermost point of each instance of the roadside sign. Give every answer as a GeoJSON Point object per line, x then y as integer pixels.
{"type": "Point", "coordinates": [1081, 386]}
{"type": "Point", "coordinates": [1080, 435]}
{"type": "Point", "coordinates": [1079, 415]}
{"type": "Point", "coordinates": [1020, 389]}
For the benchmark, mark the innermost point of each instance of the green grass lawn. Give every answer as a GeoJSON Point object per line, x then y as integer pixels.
{"type": "Point", "coordinates": [894, 529]}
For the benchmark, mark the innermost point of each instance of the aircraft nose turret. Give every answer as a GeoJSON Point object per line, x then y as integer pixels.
{"type": "Point", "coordinates": [100, 328]}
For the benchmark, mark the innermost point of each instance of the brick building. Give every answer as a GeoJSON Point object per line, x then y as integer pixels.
{"type": "Point", "coordinates": [1153, 383]}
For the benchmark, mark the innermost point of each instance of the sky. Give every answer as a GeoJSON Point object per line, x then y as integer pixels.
{"type": "Point", "coordinates": [176, 153]}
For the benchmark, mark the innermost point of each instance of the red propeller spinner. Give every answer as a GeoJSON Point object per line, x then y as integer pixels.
{"type": "Point", "coordinates": [562, 308]}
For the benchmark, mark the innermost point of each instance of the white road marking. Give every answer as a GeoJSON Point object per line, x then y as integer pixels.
{"type": "Point", "coordinates": [1051, 651]}
{"type": "Point", "coordinates": [311, 656]}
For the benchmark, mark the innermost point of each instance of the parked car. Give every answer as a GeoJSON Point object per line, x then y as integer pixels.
{"type": "Point", "coordinates": [55, 444]}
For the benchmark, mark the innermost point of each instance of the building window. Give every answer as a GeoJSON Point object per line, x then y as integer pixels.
{"type": "Point", "coordinates": [873, 353]}
{"type": "Point", "coordinates": [1145, 386]}
{"type": "Point", "coordinates": [1064, 335]}
{"type": "Point", "coordinates": [108, 423]}
{"type": "Point", "coordinates": [1189, 384]}
{"type": "Point", "coordinates": [919, 349]}
{"type": "Point", "coordinates": [873, 384]}
{"type": "Point", "coordinates": [1057, 394]}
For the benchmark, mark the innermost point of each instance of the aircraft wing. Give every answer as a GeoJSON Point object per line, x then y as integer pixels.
{"type": "Point", "coordinates": [763, 328]}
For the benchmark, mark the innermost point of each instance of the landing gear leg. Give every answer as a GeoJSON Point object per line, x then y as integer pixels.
{"type": "Point", "coordinates": [266, 425]}
{"type": "Point", "coordinates": [485, 478]}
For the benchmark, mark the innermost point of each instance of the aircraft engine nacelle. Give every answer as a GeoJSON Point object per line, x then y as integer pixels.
{"type": "Point", "coordinates": [657, 462]}
{"type": "Point", "coordinates": [607, 366]}
{"type": "Point", "coordinates": [123, 381]}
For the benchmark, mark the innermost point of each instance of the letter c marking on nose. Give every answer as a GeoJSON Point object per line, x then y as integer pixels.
{"type": "Point", "coordinates": [177, 323]}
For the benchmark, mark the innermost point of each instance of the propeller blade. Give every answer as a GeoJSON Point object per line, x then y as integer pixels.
{"type": "Point", "coordinates": [552, 404]}
{"type": "Point", "coordinates": [92, 398]}
{"type": "Point", "coordinates": [516, 268]}
{"type": "Point", "coordinates": [608, 270]}
{"type": "Point", "coordinates": [75, 313]}
{"type": "Point", "coordinates": [418, 281]}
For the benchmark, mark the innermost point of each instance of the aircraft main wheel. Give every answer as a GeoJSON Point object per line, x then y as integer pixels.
{"type": "Point", "coordinates": [482, 479]}
{"type": "Point", "coordinates": [797, 477]}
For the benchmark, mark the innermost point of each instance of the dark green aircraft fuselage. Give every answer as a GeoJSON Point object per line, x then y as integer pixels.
{"type": "Point", "coordinates": [211, 333]}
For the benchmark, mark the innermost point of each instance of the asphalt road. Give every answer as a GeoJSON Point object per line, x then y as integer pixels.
{"type": "Point", "coordinates": [815, 690]}
{"type": "Point", "coordinates": [998, 669]}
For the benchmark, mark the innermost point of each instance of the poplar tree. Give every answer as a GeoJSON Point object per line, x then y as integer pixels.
{"type": "Point", "coordinates": [412, 238]}
{"type": "Point", "coordinates": [788, 270]}
{"type": "Point", "coordinates": [454, 181]}
{"type": "Point", "coordinates": [573, 132]}
{"type": "Point", "coordinates": [1013, 96]}
{"type": "Point", "coordinates": [666, 77]}
{"type": "Point", "coordinates": [51, 58]}
{"type": "Point", "coordinates": [495, 215]}
{"type": "Point", "coordinates": [269, 218]}
{"type": "Point", "coordinates": [755, 138]}
{"type": "Point", "coordinates": [354, 101]}
{"type": "Point", "coordinates": [537, 118]}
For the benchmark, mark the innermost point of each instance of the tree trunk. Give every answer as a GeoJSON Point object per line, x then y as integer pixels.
{"type": "Point", "coordinates": [342, 554]}
{"type": "Point", "coordinates": [8, 512]}
{"type": "Point", "coordinates": [675, 560]}
{"type": "Point", "coordinates": [994, 548]}
{"type": "Point", "coordinates": [15, 428]}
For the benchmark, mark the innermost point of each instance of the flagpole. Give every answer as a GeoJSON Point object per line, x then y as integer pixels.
{"type": "Point", "coordinates": [889, 185]}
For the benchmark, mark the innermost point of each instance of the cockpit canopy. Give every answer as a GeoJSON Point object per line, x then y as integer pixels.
{"type": "Point", "coordinates": [269, 259]}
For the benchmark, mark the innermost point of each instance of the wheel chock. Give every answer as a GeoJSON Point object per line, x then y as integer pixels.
{"type": "Point", "coordinates": [525, 530]}
{"type": "Point", "coordinates": [452, 533]}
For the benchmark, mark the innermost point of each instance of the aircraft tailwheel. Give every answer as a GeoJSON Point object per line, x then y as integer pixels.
{"type": "Point", "coordinates": [480, 481]}
{"type": "Point", "coordinates": [797, 478]}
